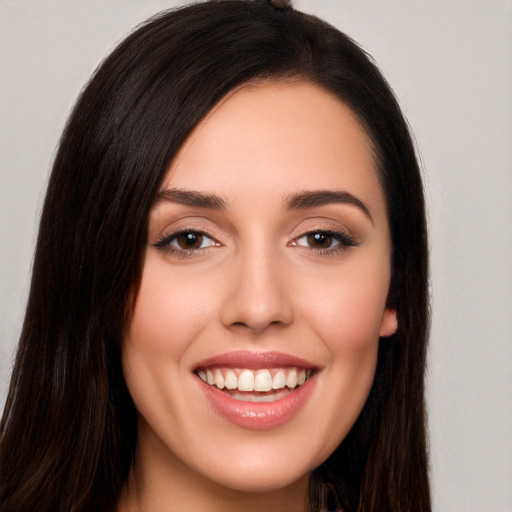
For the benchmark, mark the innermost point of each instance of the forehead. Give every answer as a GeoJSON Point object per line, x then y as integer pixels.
{"type": "Point", "coordinates": [277, 138]}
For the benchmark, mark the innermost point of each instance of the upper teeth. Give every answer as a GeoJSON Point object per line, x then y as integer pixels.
{"type": "Point", "coordinates": [254, 380]}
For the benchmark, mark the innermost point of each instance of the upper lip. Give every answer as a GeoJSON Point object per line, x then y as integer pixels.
{"type": "Point", "coordinates": [255, 360]}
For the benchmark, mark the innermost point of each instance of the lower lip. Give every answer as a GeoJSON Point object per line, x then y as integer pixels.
{"type": "Point", "coordinates": [259, 415]}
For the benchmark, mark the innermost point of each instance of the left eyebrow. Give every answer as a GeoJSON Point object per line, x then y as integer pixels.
{"type": "Point", "coordinates": [192, 198]}
{"type": "Point", "coordinates": [313, 198]}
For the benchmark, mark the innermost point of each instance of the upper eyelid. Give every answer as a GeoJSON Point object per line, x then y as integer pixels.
{"type": "Point", "coordinates": [345, 239]}
{"type": "Point", "coordinates": [210, 229]}
{"type": "Point", "coordinates": [184, 226]}
{"type": "Point", "coordinates": [325, 226]}
{"type": "Point", "coordinates": [164, 243]}
{"type": "Point", "coordinates": [165, 239]}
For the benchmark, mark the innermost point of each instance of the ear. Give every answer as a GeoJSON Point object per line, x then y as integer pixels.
{"type": "Point", "coordinates": [388, 323]}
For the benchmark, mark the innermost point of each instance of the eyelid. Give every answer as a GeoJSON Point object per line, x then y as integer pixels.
{"type": "Point", "coordinates": [174, 225]}
{"type": "Point", "coordinates": [164, 242]}
{"type": "Point", "coordinates": [346, 239]}
{"type": "Point", "coordinates": [342, 238]}
{"type": "Point", "coordinates": [324, 226]}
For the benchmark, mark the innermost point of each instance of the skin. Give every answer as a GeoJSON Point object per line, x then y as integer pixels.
{"type": "Point", "coordinates": [257, 283]}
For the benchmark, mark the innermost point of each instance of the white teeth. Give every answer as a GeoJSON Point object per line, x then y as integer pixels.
{"type": "Point", "coordinates": [291, 380]}
{"type": "Point", "coordinates": [246, 381]}
{"type": "Point", "coordinates": [263, 381]}
{"type": "Point", "coordinates": [219, 379]}
{"type": "Point", "coordinates": [279, 381]}
{"type": "Point", "coordinates": [231, 380]}
{"type": "Point", "coordinates": [257, 380]}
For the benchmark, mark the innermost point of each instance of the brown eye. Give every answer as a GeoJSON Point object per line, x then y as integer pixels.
{"type": "Point", "coordinates": [319, 240]}
{"type": "Point", "coordinates": [186, 242]}
{"type": "Point", "coordinates": [329, 241]}
{"type": "Point", "coordinates": [189, 240]}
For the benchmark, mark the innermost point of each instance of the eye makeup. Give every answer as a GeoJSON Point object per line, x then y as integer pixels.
{"type": "Point", "coordinates": [186, 242]}
{"type": "Point", "coordinates": [192, 242]}
{"type": "Point", "coordinates": [324, 241]}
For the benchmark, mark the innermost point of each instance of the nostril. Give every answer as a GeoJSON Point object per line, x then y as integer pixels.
{"type": "Point", "coordinates": [256, 327]}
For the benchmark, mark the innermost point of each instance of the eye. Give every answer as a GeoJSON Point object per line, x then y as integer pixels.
{"type": "Point", "coordinates": [186, 241]}
{"type": "Point", "coordinates": [325, 240]}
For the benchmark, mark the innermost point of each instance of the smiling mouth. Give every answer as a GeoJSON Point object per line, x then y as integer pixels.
{"type": "Point", "coordinates": [262, 385]}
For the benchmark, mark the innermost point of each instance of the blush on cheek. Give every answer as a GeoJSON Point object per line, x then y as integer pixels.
{"type": "Point", "coordinates": [163, 320]}
{"type": "Point", "coordinates": [354, 323]}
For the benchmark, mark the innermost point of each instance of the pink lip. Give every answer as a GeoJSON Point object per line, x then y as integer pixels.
{"type": "Point", "coordinates": [255, 360]}
{"type": "Point", "coordinates": [257, 415]}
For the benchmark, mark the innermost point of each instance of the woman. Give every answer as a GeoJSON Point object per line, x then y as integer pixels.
{"type": "Point", "coordinates": [229, 296]}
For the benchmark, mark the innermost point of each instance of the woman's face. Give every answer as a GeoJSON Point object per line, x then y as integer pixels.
{"type": "Point", "coordinates": [267, 267]}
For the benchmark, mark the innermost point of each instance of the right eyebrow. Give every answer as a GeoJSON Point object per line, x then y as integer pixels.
{"type": "Point", "coordinates": [314, 198]}
{"type": "Point", "coordinates": [192, 198]}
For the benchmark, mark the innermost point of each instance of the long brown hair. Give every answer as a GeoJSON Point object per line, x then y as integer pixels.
{"type": "Point", "coordinates": [68, 431]}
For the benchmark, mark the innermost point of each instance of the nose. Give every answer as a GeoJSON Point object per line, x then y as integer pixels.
{"type": "Point", "coordinates": [257, 294]}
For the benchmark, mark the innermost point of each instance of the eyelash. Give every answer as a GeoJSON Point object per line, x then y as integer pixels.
{"type": "Point", "coordinates": [344, 241]}
{"type": "Point", "coordinates": [165, 242]}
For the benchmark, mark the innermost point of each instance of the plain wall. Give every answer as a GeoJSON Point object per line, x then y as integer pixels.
{"type": "Point", "coordinates": [450, 64]}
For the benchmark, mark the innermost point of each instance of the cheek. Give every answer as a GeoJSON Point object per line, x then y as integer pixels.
{"type": "Point", "coordinates": [166, 314]}
{"type": "Point", "coordinates": [347, 319]}
{"type": "Point", "coordinates": [348, 308]}
{"type": "Point", "coordinates": [166, 317]}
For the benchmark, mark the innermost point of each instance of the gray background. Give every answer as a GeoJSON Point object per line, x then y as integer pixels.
{"type": "Point", "coordinates": [450, 64]}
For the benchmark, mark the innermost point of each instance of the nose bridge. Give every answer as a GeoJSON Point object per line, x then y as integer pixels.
{"type": "Point", "coordinates": [258, 296]}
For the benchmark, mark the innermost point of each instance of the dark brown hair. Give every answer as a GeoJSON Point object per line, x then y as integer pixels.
{"type": "Point", "coordinates": [69, 429]}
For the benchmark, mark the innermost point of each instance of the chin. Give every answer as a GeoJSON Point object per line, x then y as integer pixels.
{"type": "Point", "coordinates": [259, 479]}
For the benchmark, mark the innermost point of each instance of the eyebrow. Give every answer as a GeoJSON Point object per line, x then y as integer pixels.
{"type": "Point", "coordinates": [299, 201]}
{"type": "Point", "coordinates": [314, 198]}
{"type": "Point", "coordinates": [192, 198]}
